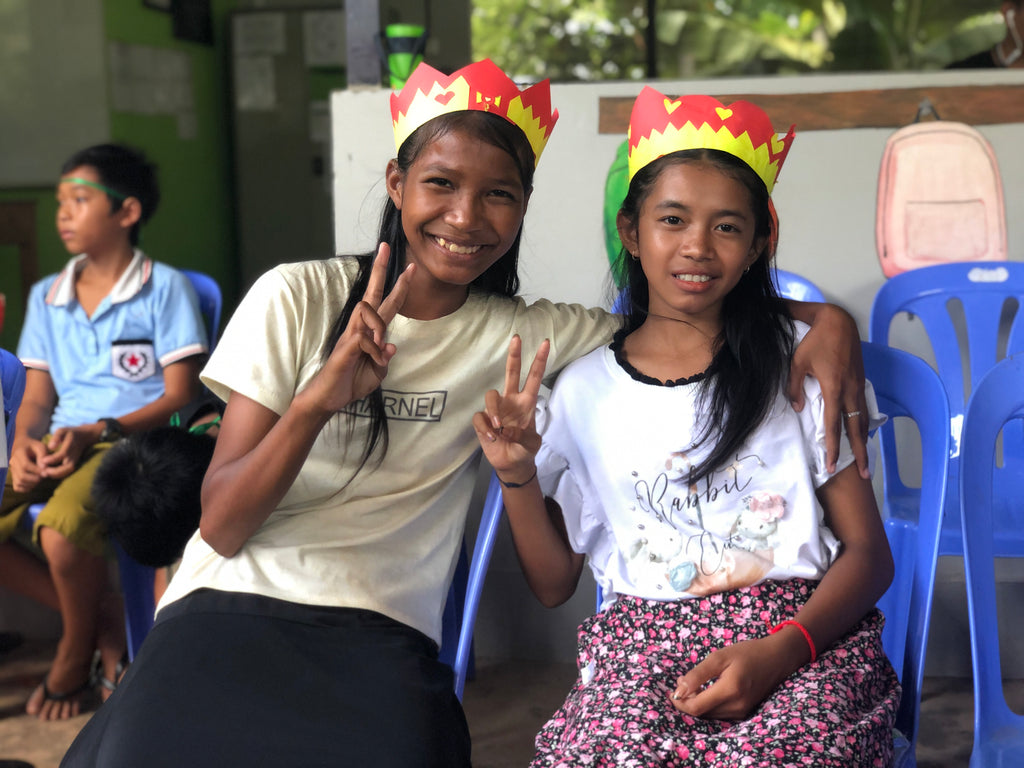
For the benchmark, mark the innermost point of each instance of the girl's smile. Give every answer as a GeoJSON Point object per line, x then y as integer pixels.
{"type": "Point", "coordinates": [456, 248]}
{"type": "Point", "coordinates": [693, 278]}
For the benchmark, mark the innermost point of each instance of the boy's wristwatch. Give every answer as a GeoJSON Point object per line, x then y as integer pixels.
{"type": "Point", "coordinates": [112, 430]}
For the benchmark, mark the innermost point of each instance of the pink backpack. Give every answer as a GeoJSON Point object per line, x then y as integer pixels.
{"type": "Point", "coordinates": [940, 197]}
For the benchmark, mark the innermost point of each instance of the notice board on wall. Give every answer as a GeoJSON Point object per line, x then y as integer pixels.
{"type": "Point", "coordinates": [53, 86]}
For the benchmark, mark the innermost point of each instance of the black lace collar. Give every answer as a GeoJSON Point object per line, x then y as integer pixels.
{"type": "Point", "coordinates": [620, 358]}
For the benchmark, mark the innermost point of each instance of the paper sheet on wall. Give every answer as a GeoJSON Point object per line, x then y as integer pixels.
{"type": "Point", "coordinates": [259, 33]}
{"type": "Point", "coordinates": [153, 81]}
{"type": "Point", "coordinates": [324, 38]}
{"type": "Point", "coordinates": [255, 88]}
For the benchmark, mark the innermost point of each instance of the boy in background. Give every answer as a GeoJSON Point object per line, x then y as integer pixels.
{"type": "Point", "coordinates": [112, 345]}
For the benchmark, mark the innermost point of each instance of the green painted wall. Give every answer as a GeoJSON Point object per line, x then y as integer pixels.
{"type": "Point", "coordinates": [193, 226]}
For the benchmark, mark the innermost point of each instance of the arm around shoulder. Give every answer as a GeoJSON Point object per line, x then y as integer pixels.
{"type": "Point", "coordinates": [831, 353]}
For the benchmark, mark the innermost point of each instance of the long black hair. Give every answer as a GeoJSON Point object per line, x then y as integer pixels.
{"type": "Point", "coordinates": [752, 354]}
{"type": "Point", "coordinates": [501, 278]}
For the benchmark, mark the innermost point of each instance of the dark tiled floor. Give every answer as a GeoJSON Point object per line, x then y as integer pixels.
{"type": "Point", "coordinates": [506, 704]}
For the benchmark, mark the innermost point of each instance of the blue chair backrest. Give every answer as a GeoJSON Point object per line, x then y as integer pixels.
{"type": "Point", "coordinates": [983, 294]}
{"type": "Point", "coordinates": [210, 301]}
{"type": "Point", "coordinates": [906, 386]}
{"type": "Point", "coordinates": [459, 620]}
{"type": "Point", "coordinates": [12, 379]}
{"type": "Point", "coordinates": [998, 399]}
{"type": "Point", "coordinates": [793, 286]}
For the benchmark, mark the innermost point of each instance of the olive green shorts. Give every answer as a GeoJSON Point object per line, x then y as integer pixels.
{"type": "Point", "coordinates": [69, 506]}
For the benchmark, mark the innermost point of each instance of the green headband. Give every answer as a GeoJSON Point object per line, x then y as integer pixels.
{"type": "Point", "coordinates": [94, 185]}
{"type": "Point", "coordinates": [196, 429]}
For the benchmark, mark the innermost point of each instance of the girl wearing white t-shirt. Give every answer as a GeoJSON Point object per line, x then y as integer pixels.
{"type": "Point", "coordinates": [739, 573]}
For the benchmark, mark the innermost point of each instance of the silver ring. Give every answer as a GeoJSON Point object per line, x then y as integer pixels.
{"type": "Point", "coordinates": [851, 414]}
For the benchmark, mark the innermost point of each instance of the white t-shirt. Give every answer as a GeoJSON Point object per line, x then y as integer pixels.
{"type": "Point", "coordinates": [388, 541]}
{"type": "Point", "coordinates": [614, 459]}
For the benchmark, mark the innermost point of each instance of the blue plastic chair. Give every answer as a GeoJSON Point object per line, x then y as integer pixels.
{"type": "Point", "coordinates": [997, 401]}
{"type": "Point", "coordinates": [210, 301]}
{"type": "Point", "coordinates": [458, 637]}
{"type": "Point", "coordinates": [906, 386]}
{"type": "Point", "coordinates": [137, 580]}
{"type": "Point", "coordinates": [454, 610]}
{"type": "Point", "coordinates": [793, 286]}
{"type": "Point", "coordinates": [12, 381]}
{"type": "Point", "coordinates": [984, 290]}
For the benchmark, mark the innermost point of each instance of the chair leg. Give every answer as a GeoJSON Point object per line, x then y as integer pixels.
{"type": "Point", "coordinates": [454, 607]}
{"type": "Point", "coordinates": [137, 587]}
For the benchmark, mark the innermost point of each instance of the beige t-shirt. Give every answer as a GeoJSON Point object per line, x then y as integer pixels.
{"type": "Point", "coordinates": [388, 541]}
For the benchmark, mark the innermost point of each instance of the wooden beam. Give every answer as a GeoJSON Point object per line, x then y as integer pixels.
{"type": "Point", "coordinates": [891, 108]}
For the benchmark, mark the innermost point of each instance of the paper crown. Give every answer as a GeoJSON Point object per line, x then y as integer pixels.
{"type": "Point", "coordinates": [659, 126]}
{"type": "Point", "coordinates": [482, 87]}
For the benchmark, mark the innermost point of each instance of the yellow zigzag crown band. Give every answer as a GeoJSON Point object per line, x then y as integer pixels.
{"type": "Point", "coordinates": [659, 126]}
{"type": "Point", "coordinates": [481, 86]}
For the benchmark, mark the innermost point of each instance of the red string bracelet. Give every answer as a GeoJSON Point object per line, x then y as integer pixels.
{"type": "Point", "coordinates": [803, 631]}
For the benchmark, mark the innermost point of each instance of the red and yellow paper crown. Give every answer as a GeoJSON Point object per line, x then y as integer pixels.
{"type": "Point", "coordinates": [481, 86]}
{"type": "Point", "coordinates": [659, 126]}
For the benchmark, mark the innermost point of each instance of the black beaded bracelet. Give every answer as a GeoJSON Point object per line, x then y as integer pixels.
{"type": "Point", "coordinates": [517, 485]}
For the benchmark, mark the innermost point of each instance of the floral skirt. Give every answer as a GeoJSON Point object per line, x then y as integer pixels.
{"type": "Point", "coordinates": [836, 711]}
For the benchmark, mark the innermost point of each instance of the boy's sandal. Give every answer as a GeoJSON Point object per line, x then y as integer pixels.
{"type": "Point", "coordinates": [104, 681]}
{"type": "Point", "coordinates": [75, 693]}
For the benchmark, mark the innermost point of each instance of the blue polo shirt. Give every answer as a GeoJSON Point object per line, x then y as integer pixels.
{"type": "Point", "coordinates": [112, 363]}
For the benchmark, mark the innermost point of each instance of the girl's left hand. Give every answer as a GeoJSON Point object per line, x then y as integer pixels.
{"type": "Point", "coordinates": [506, 427]}
{"type": "Point", "coordinates": [741, 677]}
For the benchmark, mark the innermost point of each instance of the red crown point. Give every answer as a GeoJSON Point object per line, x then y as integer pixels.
{"type": "Point", "coordinates": [659, 126]}
{"type": "Point", "coordinates": [480, 86]}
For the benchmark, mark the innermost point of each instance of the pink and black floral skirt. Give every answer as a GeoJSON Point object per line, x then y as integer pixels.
{"type": "Point", "coordinates": [836, 711]}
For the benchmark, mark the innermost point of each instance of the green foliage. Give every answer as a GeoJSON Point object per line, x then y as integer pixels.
{"type": "Point", "coordinates": [607, 39]}
{"type": "Point", "coordinates": [561, 39]}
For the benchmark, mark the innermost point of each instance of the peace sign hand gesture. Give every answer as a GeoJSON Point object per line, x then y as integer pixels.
{"type": "Point", "coordinates": [507, 427]}
{"type": "Point", "coordinates": [359, 361]}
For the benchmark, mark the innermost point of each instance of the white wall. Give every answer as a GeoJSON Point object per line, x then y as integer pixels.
{"type": "Point", "coordinates": [53, 98]}
{"type": "Point", "coordinates": [826, 203]}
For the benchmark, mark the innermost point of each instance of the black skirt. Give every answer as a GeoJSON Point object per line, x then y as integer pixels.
{"type": "Point", "coordinates": [227, 679]}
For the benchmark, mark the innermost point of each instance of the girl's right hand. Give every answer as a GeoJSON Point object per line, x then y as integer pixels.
{"type": "Point", "coordinates": [507, 427]}
{"type": "Point", "coordinates": [359, 361]}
